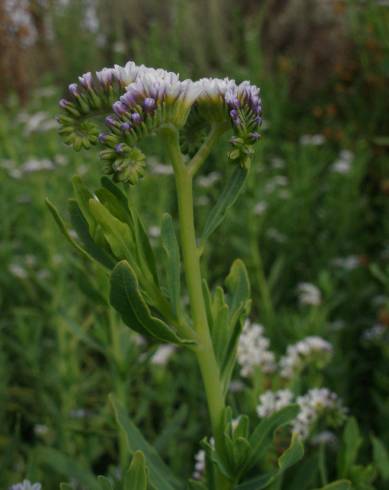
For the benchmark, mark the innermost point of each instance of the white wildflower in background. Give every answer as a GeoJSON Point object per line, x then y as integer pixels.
{"type": "Point", "coordinates": [41, 430]}
{"type": "Point", "coordinates": [207, 181]}
{"type": "Point", "coordinates": [312, 139]}
{"type": "Point", "coordinates": [202, 201]}
{"type": "Point", "coordinates": [376, 332]}
{"type": "Point", "coordinates": [348, 263]}
{"type": "Point", "coordinates": [154, 231]}
{"type": "Point", "coordinates": [275, 183]}
{"type": "Point", "coordinates": [158, 168]}
{"type": "Point", "coordinates": [343, 164]}
{"type": "Point", "coordinates": [311, 350]}
{"type": "Point", "coordinates": [18, 271]}
{"type": "Point", "coordinates": [260, 208]}
{"type": "Point", "coordinates": [36, 165]}
{"type": "Point", "coordinates": [325, 437]}
{"type": "Point", "coordinates": [277, 163]}
{"type": "Point", "coordinates": [273, 401]}
{"type": "Point", "coordinates": [253, 350]}
{"type": "Point", "coordinates": [276, 235]}
{"type": "Point", "coordinates": [309, 294]}
{"type": "Point", "coordinates": [317, 403]}
{"type": "Point", "coordinates": [26, 485]}
{"type": "Point", "coordinates": [199, 468]}
{"type": "Point", "coordinates": [162, 355]}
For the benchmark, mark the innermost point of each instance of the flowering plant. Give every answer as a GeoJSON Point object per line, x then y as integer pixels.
{"type": "Point", "coordinates": [115, 110]}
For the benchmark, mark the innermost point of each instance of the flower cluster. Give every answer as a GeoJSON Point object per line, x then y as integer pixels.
{"type": "Point", "coordinates": [253, 350]}
{"type": "Point", "coordinates": [311, 350]}
{"type": "Point", "coordinates": [309, 294]}
{"type": "Point", "coordinates": [26, 485]}
{"type": "Point", "coordinates": [317, 404]}
{"type": "Point", "coordinates": [138, 101]}
{"type": "Point", "coordinates": [273, 401]}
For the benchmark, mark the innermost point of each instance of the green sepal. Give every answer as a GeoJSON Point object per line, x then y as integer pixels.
{"type": "Point", "coordinates": [226, 200]}
{"type": "Point", "coordinates": [128, 300]}
{"type": "Point", "coordinates": [160, 476]}
{"type": "Point", "coordinates": [136, 476]}
{"type": "Point", "coordinates": [173, 266]}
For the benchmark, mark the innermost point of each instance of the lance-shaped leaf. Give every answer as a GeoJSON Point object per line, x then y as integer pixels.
{"type": "Point", "coordinates": [337, 485]}
{"type": "Point", "coordinates": [160, 476]}
{"type": "Point", "coordinates": [128, 300]}
{"type": "Point", "coordinates": [98, 252]}
{"type": "Point", "coordinates": [173, 265]}
{"type": "Point", "coordinates": [136, 476]}
{"type": "Point", "coordinates": [83, 196]}
{"type": "Point", "coordinates": [290, 457]}
{"type": "Point", "coordinates": [226, 200]}
{"type": "Point", "coordinates": [63, 228]}
{"type": "Point", "coordinates": [259, 439]}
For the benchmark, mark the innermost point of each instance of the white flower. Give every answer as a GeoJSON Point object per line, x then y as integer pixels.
{"type": "Point", "coordinates": [347, 263]}
{"type": "Point", "coordinates": [18, 271]}
{"type": "Point", "coordinates": [298, 356]}
{"type": "Point", "coordinates": [260, 208]}
{"type": "Point", "coordinates": [376, 332]}
{"type": "Point", "coordinates": [343, 164]}
{"type": "Point", "coordinates": [208, 180]}
{"type": "Point", "coordinates": [154, 231]}
{"type": "Point", "coordinates": [314, 404]}
{"type": "Point", "coordinates": [312, 139]}
{"type": "Point", "coordinates": [253, 350]}
{"type": "Point", "coordinates": [325, 437]}
{"type": "Point", "coordinates": [162, 355]}
{"type": "Point", "coordinates": [273, 401]}
{"type": "Point", "coordinates": [309, 294]}
{"type": "Point", "coordinates": [26, 485]}
{"type": "Point", "coordinates": [199, 468]}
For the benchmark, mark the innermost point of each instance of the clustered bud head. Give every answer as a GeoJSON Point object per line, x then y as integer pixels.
{"type": "Point", "coordinates": [309, 351]}
{"type": "Point", "coordinates": [253, 351]}
{"type": "Point", "coordinates": [135, 101]}
{"type": "Point", "coordinates": [318, 404]}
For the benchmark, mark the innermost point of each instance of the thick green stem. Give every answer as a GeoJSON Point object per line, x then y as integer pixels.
{"type": "Point", "coordinates": [204, 349]}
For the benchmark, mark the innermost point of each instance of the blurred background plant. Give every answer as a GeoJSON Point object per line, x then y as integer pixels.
{"type": "Point", "coordinates": [311, 226]}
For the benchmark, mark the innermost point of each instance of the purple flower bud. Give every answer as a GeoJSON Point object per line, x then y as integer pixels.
{"type": "Point", "coordinates": [102, 138]}
{"type": "Point", "coordinates": [119, 148]}
{"type": "Point", "coordinates": [125, 127]}
{"type": "Point", "coordinates": [63, 103]}
{"type": "Point", "coordinates": [110, 121]}
{"type": "Point", "coordinates": [86, 80]}
{"type": "Point", "coordinates": [128, 98]}
{"type": "Point", "coordinates": [258, 120]}
{"type": "Point", "coordinates": [119, 108]}
{"type": "Point", "coordinates": [254, 136]}
{"type": "Point", "coordinates": [73, 89]}
{"type": "Point", "coordinates": [136, 118]}
{"type": "Point", "coordinates": [149, 104]}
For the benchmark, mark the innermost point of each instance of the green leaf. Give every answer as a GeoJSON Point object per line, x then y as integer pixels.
{"type": "Point", "coordinates": [62, 226]}
{"type": "Point", "coordinates": [105, 484]}
{"type": "Point", "coordinates": [265, 429]}
{"type": "Point", "coordinates": [81, 226]}
{"type": "Point", "coordinates": [83, 196]}
{"type": "Point", "coordinates": [116, 232]}
{"type": "Point", "coordinates": [136, 476]}
{"type": "Point", "coordinates": [173, 265]}
{"type": "Point", "coordinates": [160, 475]}
{"type": "Point", "coordinates": [288, 458]}
{"type": "Point", "coordinates": [292, 455]}
{"type": "Point", "coordinates": [127, 299]}
{"type": "Point", "coordinates": [352, 441]}
{"type": "Point", "coordinates": [114, 189]}
{"type": "Point", "coordinates": [381, 458]}
{"type": "Point", "coordinates": [337, 485]}
{"type": "Point", "coordinates": [67, 467]}
{"type": "Point", "coordinates": [226, 200]}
